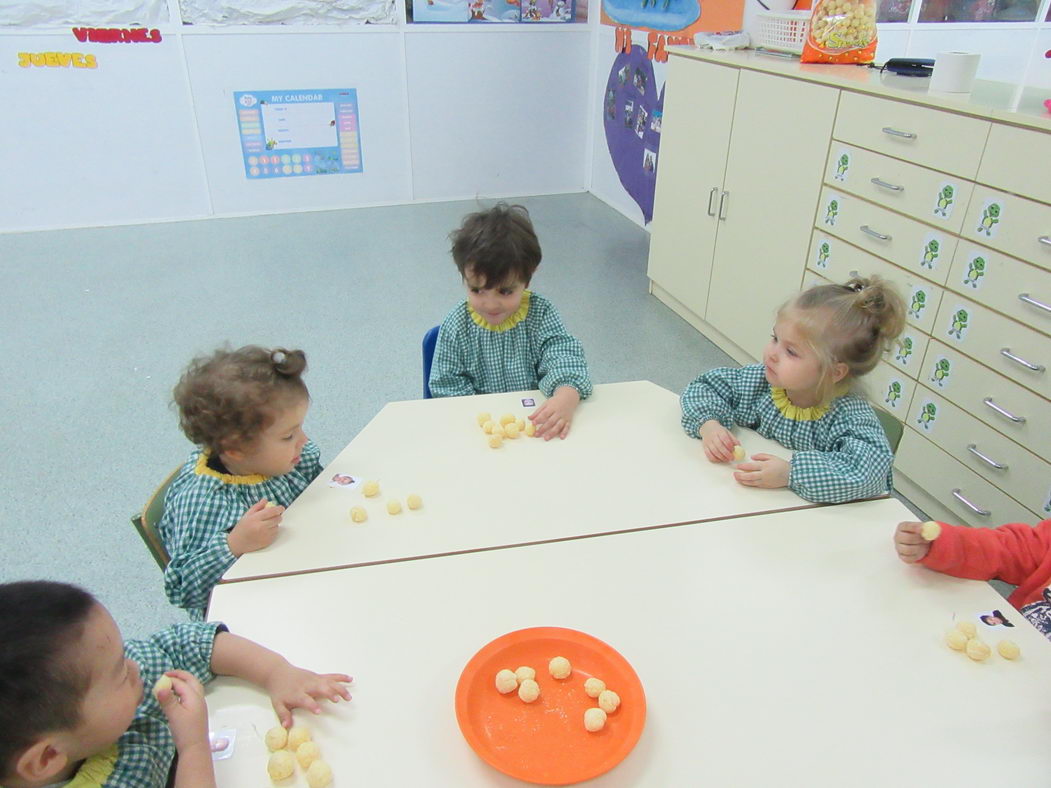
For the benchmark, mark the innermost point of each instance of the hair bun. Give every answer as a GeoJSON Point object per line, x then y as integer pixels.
{"type": "Point", "coordinates": [288, 362]}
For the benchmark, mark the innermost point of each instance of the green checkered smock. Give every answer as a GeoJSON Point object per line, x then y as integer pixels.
{"type": "Point", "coordinates": [841, 456]}
{"type": "Point", "coordinates": [143, 756]}
{"type": "Point", "coordinates": [529, 350]}
{"type": "Point", "coordinates": [202, 506]}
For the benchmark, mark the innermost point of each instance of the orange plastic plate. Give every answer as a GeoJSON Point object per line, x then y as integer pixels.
{"type": "Point", "coordinates": [545, 741]}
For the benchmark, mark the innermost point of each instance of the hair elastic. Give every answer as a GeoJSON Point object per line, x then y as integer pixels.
{"type": "Point", "coordinates": [278, 357]}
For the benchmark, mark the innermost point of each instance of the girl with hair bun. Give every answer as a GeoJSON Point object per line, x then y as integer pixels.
{"type": "Point", "coordinates": [244, 409]}
{"type": "Point", "coordinates": [802, 395]}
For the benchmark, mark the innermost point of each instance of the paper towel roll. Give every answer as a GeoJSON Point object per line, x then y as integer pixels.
{"type": "Point", "coordinates": [954, 72]}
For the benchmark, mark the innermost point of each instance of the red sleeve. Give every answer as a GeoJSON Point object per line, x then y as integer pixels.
{"type": "Point", "coordinates": [1012, 552]}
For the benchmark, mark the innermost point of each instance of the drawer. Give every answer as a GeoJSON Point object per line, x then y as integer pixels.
{"type": "Point", "coordinates": [1017, 412]}
{"type": "Point", "coordinates": [922, 249]}
{"type": "Point", "coordinates": [941, 475]}
{"type": "Point", "coordinates": [1011, 161]}
{"type": "Point", "coordinates": [1010, 224]}
{"type": "Point", "coordinates": [839, 261]}
{"type": "Point", "coordinates": [997, 459]}
{"type": "Point", "coordinates": [923, 194]}
{"type": "Point", "coordinates": [888, 388]}
{"type": "Point", "coordinates": [940, 140]}
{"type": "Point", "coordinates": [1004, 284]}
{"type": "Point", "coordinates": [992, 340]}
{"type": "Point", "coordinates": [908, 351]}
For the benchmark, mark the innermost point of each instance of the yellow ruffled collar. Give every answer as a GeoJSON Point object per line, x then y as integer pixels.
{"type": "Point", "coordinates": [94, 772]}
{"type": "Point", "coordinates": [794, 412]}
{"type": "Point", "coordinates": [202, 469]}
{"type": "Point", "coordinates": [509, 323]}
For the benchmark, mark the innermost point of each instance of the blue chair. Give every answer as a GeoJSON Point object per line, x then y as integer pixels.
{"type": "Point", "coordinates": [430, 339]}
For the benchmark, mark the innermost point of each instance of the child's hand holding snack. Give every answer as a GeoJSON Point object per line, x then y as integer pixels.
{"type": "Point", "coordinates": [718, 441]}
{"type": "Point", "coordinates": [256, 530]}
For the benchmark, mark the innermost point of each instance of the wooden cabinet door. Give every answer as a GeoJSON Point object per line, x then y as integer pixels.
{"type": "Point", "coordinates": [695, 135]}
{"type": "Point", "coordinates": [780, 138]}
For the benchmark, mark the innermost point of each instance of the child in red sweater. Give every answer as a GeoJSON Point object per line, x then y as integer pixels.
{"type": "Point", "coordinates": [1015, 553]}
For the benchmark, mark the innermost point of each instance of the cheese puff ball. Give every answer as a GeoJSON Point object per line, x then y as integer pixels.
{"type": "Point", "coordinates": [977, 650]}
{"type": "Point", "coordinates": [525, 672]}
{"type": "Point", "coordinates": [358, 514]}
{"type": "Point", "coordinates": [163, 683]}
{"type": "Point", "coordinates": [529, 691]}
{"type": "Point", "coordinates": [483, 418]}
{"type": "Point", "coordinates": [739, 452]}
{"type": "Point", "coordinates": [1008, 649]}
{"type": "Point", "coordinates": [270, 505]}
{"type": "Point", "coordinates": [414, 501]}
{"type": "Point", "coordinates": [507, 418]}
{"type": "Point", "coordinates": [298, 734]}
{"type": "Point", "coordinates": [495, 441]}
{"type": "Point", "coordinates": [281, 765]}
{"type": "Point", "coordinates": [608, 701]}
{"type": "Point", "coordinates": [370, 489]}
{"type": "Point", "coordinates": [498, 430]}
{"type": "Point", "coordinates": [487, 428]}
{"type": "Point", "coordinates": [593, 687]}
{"type": "Point", "coordinates": [307, 753]}
{"type": "Point", "coordinates": [393, 507]}
{"type": "Point", "coordinates": [506, 681]}
{"type": "Point", "coordinates": [276, 738]}
{"type": "Point", "coordinates": [594, 720]}
{"type": "Point", "coordinates": [530, 430]}
{"type": "Point", "coordinates": [967, 627]}
{"type": "Point", "coordinates": [319, 774]}
{"type": "Point", "coordinates": [956, 640]}
{"type": "Point", "coordinates": [520, 423]}
{"type": "Point", "coordinates": [559, 668]}
{"type": "Point", "coordinates": [511, 431]}
{"type": "Point", "coordinates": [930, 530]}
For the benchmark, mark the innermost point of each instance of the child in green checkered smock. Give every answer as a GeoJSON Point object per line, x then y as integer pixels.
{"type": "Point", "coordinates": [245, 409]}
{"type": "Point", "coordinates": [79, 707]}
{"type": "Point", "coordinates": [823, 340]}
{"type": "Point", "coordinates": [503, 337]}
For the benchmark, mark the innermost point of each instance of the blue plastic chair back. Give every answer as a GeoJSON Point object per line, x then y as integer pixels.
{"type": "Point", "coordinates": [430, 339]}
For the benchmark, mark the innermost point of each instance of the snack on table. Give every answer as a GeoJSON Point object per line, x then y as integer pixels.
{"type": "Point", "coordinates": [370, 489]}
{"type": "Point", "coordinates": [1008, 649]}
{"type": "Point", "coordinates": [319, 774]}
{"type": "Point", "coordinates": [393, 507]}
{"type": "Point", "coordinates": [298, 734]}
{"type": "Point", "coordinates": [414, 501]}
{"type": "Point", "coordinates": [358, 514]}
{"type": "Point", "coordinates": [506, 681]}
{"type": "Point", "coordinates": [529, 690]}
{"type": "Point", "coordinates": [967, 627]}
{"type": "Point", "coordinates": [495, 441]}
{"type": "Point", "coordinates": [307, 753]}
{"type": "Point", "coordinates": [608, 701]}
{"type": "Point", "coordinates": [559, 668]}
{"type": "Point", "coordinates": [483, 418]}
{"type": "Point", "coordinates": [281, 765]}
{"type": "Point", "coordinates": [593, 687]}
{"type": "Point", "coordinates": [276, 738]}
{"type": "Point", "coordinates": [525, 672]}
{"type": "Point", "coordinates": [594, 719]}
{"type": "Point", "coordinates": [956, 640]}
{"type": "Point", "coordinates": [977, 650]}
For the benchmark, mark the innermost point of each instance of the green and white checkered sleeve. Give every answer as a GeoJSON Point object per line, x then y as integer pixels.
{"type": "Point", "coordinates": [856, 464]}
{"type": "Point", "coordinates": [714, 395]}
{"type": "Point", "coordinates": [196, 521]}
{"type": "Point", "coordinates": [449, 376]}
{"type": "Point", "coordinates": [560, 356]}
{"type": "Point", "coordinates": [310, 461]}
{"type": "Point", "coordinates": [146, 750]}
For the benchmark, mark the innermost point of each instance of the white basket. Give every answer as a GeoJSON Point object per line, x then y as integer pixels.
{"type": "Point", "coordinates": [781, 31]}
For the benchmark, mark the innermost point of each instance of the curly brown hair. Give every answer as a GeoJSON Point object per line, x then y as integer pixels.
{"type": "Point", "coordinates": [499, 245]}
{"type": "Point", "coordinates": [228, 398]}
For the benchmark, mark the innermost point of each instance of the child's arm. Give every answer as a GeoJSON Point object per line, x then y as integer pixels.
{"type": "Point", "coordinates": [1011, 553]}
{"type": "Point", "coordinates": [289, 687]}
{"type": "Point", "coordinates": [719, 395]}
{"type": "Point", "coordinates": [187, 715]}
{"type": "Point", "coordinates": [560, 361]}
{"type": "Point", "coordinates": [310, 461]}
{"type": "Point", "coordinates": [449, 376]}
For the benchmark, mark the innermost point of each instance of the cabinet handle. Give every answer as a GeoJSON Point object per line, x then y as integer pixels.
{"type": "Point", "coordinates": [895, 133]}
{"type": "Point", "coordinates": [976, 509]}
{"type": "Point", "coordinates": [1045, 239]}
{"type": "Point", "coordinates": [885, 185]}
{"type": "Point", "coordinates": [973, 449]}
{"type": "Point", "coordinates": [1006, 353]}
{"type": "Point", "coordinates": [869, 231]}
{"type": "Point", "coordinates": [711, 200]}
{"type": "Point", "coordinates": [722, 206]}
{"type": "Point", "coordinates": [1009, 416]}
{"type": "Point", "coordinates": [1029, 300]}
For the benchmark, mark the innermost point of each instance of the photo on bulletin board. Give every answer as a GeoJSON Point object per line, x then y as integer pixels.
{"type": "Point", "coordinates": [466, 11]}
{"type": "Point", "coordinates": [292, 133]}
{"type": "Point", "coordinates": [678, 17]}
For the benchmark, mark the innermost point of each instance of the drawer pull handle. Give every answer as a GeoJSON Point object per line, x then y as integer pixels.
{"type": "Point", "coordinates": [869, 231]}
{"type": "Point", "coordinates": [973, 449]}
{"type": "Point", "coordinates": [885, 185]}
{"type": "Point", "coordinates": [978, 510]}
{"type": "Point", "coordinates": [722, 206]}
{"type": "Point", "coordinates": [1006, 353]}
{"type": "Point", "coordinates": [711, 200]}
{"type": "Point", "coordinates": [1009, 416]}
{"type": "Point", "coordinates": [895, 133]}
{"type": "Point", "coordinates": [1045, 239]}
{"type": "Point", "coordinates": [1030, 300]}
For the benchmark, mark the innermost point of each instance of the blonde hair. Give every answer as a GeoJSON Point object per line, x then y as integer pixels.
{"type": "Point", "coordinates": [850, 324]}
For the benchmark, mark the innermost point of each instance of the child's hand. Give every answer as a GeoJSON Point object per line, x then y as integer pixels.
{"type": "Point", "coordinates": [291, 688]}
{"type": "Point", "coordinates": [186, 710]}
{"type": "Point", "coordinates": [552, 419]}
{"type": "Point", "coordinates": [764, 470]}
{"type": "Point", "coordinates": [718, 441]}
{"type": "Point", "coordinates": [911, 546]}
{"type": "Point", "coordinates": [256, 530]}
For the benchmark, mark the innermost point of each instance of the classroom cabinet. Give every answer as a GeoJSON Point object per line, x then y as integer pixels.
{"type": "Point", "coordinates": [948, 200]}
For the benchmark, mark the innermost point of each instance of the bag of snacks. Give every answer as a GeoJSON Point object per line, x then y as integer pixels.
{"type": "Point", "coordinates": [841, 31]}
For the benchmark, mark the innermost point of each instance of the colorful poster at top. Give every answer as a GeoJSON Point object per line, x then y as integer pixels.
{"type": "Point", "coordinates": [298, 132]}
{"type": "Point", "coordinates": [681, 18]}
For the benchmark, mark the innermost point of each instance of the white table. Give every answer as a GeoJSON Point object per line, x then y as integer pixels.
{"type": "Point", "coordinates": [626, 464]}
{"type": "Point", "coordinates": [789, 649]}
